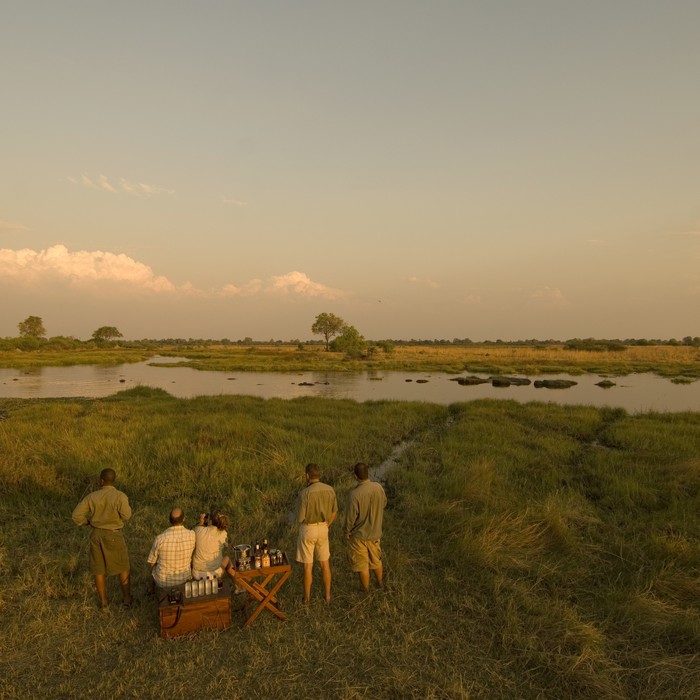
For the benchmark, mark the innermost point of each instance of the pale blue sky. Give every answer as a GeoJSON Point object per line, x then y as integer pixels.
{"type": "Point", "coordinates": [512, 169]}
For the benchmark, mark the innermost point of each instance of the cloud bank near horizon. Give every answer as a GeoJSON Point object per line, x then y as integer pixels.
{"type": "Point", "coordinates": [29, 267]}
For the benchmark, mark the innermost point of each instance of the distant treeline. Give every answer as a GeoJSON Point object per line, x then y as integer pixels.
{"type": "Point", "coordinates": [27, 343]}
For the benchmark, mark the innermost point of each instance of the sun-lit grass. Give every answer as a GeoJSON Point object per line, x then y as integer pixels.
{"type": "Point", "coordinates": [672, 361]}
{"type": "Point", "coordinates": [531, 551]}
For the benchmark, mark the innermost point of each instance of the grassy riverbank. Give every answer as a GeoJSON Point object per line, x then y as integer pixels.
{"type": "Point", "coordinates": [666, 360]}
{"type": "Point", "coordinates": [531, 551]}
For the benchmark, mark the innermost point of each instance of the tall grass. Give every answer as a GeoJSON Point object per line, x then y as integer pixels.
{"type": "Point", "coordinates": [531, 551]}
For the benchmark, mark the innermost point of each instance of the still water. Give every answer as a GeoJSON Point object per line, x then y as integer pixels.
{"type": "Point", "coordinates": [635, 392]}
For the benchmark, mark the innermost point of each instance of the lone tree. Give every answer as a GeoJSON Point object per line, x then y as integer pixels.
{"type": "Point", "coordinates": [328, 325]}
{"type": "Point", "coordinates": [32, 327]}
{"type": "Point", "coordinates": [106, 333]}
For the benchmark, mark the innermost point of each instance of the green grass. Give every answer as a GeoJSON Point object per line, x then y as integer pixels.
{"type": "Point", "coordinates": [682, 362]}
{"type": "Point", "coordinates": [531, 551]}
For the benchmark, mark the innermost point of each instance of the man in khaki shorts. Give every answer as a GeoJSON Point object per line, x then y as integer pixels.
{"type": "Point", "coordinates": [363, 526]}
{"type": "Point", "coordinates": [106, 511]}
{"type": "Point", "coordinates": [316, 510]}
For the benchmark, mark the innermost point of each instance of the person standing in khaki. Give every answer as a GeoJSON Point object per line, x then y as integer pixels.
{"type": "Point", "coordinates": [316, 510]}
{"type": "Point", "coordinates": [363, 526]}
{"type": "Point", "coordinates": [105, 511]}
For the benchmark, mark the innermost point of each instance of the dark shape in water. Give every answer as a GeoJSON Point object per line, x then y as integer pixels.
{"type": "Point", "coordinates": [554, 383]}
{"type": "Point", "coordinates": [605, 384]}
{"type": "Point", "coordinates": [470, 381]}
{"type": "Point", "coordinates": [421, 381]}
{"type": "Point", "coordinates": [507, 381]}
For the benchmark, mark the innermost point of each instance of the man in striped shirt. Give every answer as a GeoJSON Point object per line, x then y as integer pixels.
{"type": "Point", "coordinates": [171, 553]}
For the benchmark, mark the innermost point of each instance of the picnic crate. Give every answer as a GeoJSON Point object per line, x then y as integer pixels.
{"type": "Point", "coordinates": [186, 617]}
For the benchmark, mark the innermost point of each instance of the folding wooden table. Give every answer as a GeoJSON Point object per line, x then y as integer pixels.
{"type": "Point", "coordinates": [262, 586]}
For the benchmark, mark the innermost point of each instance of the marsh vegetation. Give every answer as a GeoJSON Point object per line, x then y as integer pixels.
{"type": "Point", "coordinates": [531, 550]}
{"type": "Point", "coordinates": [665, 360]}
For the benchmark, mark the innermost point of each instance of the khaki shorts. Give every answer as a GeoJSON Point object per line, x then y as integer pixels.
{"type": "Point", "coordinates": [364, 554]}
{"type": "Point", "coordinates": [312, 543]}
{"type": "Point", "coordinates": [108, 555]}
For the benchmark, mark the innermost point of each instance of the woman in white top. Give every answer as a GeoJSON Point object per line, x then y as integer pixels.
{"type": "Point", "coordinates": [208, 559]}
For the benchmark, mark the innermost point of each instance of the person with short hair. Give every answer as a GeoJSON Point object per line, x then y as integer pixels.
{"type": "Point", "coordinates": [211, 536]}
{"type": "Point", "coordinates": [317, 508]}
{"type": "Point", "coordinates": [363, 526]}
{"type": "Point", "coordinates": [171, 554]}
{"type": "Point", "coordinates": [105, 511]}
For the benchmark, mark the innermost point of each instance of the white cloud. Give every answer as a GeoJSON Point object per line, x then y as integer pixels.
{"type": "Point", "coordinates": [82, 266]}
{"type": "Point", "coordinates": [549, 296]}
{"type": "Point", "coordinates": [235, 202]}
{"type": "Point", "coordinates": [8, 227]}
{"type": "Point", "coordinates": [292, 283]}
{"type": "Point", "coordinates": [139, 188]}
{"type": "Point", "coordinates": [126, 187]}
{"type": "Point", "coordinates": [472, 300]}
{"type": "Point", "coordinates": [425, 281]}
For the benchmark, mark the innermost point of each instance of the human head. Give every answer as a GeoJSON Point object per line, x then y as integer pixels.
{"type": "Point", "coordinates": [219, 520]}
{"type": "Point", "coordinates": [313, 472]}
{"type": "Point", "coordinates": [177, 516]}
{"type": "Point", "coordinates": [108, 476]}
{"type": "Point", "coordinates": [361, 471]}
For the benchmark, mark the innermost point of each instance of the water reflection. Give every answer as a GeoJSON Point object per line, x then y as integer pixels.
{"type": "Point", "coordinates": [635, 393]}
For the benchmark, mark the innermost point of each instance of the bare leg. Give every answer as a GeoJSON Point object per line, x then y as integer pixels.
{"type": "Point", "coordinates": [364, 580]}
{"type": "Point", "coordinates": [308, 577]}
{"type": "Point", "coordinates": [379, 575]}
{"type": "Point", "coordinates": [326, 575]}
{"type": "Point", "coordinates": [101, 585]}
{"type": "Point", "coordinates": [125, 581]}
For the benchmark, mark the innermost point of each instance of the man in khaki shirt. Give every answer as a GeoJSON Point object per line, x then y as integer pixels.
{"type": "Point", "coordinates": [105, 511]}
{"type": "Point", "coordinates": [316, 511]}
{"type": "Point", "coordinates": [364, 514]}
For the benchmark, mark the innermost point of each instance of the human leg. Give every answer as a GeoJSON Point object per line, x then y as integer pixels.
{"type": "Point", "coordinates": [326, 576]}
{"type": "Point", "coordinates": [125, 583]}
{"type": "Point", "coordinates": [364, 579]}
{"type": "Point", "coordinates": [374, 555]}
{"type": "Point", "coordinates": [101, 585]}
{"type": "Point", "coordinates": [308, 577]}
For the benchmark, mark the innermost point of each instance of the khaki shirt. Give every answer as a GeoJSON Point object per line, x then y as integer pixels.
{"type": "Point", "coordinates": [317, 503]}
{"type": "Point", "coordinates": [107, 509]}
{"type": "Point", "coordinates": [365, 511]}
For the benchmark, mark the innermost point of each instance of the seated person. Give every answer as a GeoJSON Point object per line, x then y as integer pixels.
{"type": "Point", "coordinates": [210, 537]}
{"type": "Point", "coordinates": [171, 554]}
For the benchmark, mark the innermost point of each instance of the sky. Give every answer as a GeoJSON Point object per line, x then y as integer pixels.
{"type": "Point", "coordinates": [505, 169]}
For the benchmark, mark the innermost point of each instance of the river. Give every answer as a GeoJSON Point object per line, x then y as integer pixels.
{"type": "Point", "coordinates": [637, 393]}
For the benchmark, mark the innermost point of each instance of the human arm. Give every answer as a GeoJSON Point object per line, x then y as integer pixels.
{"type": "Point", "coordinates": [153, 554]}
{"type": "Point", "coordinates": [351, 514]}
{"type": "Point", "coordinates": [81, 513]}
{"type": "Point", "coordinates": [124, 509]}
{"type": "Point", "coordinates": [301, 508]}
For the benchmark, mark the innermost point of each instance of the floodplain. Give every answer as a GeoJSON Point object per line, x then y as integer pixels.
{"type": "Point", "coordinates": [531, 550]}
{"type": "Point", "coordinates": [665, 360]}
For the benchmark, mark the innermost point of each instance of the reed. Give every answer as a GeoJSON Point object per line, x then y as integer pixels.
{"type": "Point", "coordinates": [531, 550]}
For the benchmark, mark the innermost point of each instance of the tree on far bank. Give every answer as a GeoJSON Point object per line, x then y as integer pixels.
{"type": "Point", "coordinates": [32, 327]}
{"type": "Point", "coordinates": [106, 333]}
{"type": "Point", "coordinates": [328, 325]}
{"type": "Point", "coordinates": [350, 342]}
